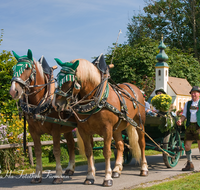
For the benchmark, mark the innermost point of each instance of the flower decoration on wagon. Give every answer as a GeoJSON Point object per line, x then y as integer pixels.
{"type": "Point", "coordinates": [162, 102]}
{"type": "Point", "coordinates": [179, 112]}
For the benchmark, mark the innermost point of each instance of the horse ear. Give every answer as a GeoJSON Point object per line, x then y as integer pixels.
{"type": "Point", "coordinates": [29, 54]}
{"type": "Point", "coordinates": [59, 62]}
{"type": "Point", "coordinates": [16, 56]}
{"type": "Point", "coordinates": [75, 65]}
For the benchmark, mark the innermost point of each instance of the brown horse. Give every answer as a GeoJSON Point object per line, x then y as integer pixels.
{"type": "Point", "coordinates": [104, 109]}
{"type": "Point", "coordinates": [35, 87]}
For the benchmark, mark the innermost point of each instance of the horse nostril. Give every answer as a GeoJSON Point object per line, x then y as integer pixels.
{"type": "Point", "coordinates": [13, 93]}
{"type": "Point", "coordinates": [16, 93]}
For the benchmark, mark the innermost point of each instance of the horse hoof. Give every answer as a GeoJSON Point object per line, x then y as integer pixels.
{"type": "Point", "coordinates": [69, 173]}
{"type": "Point", "coordinates": [144, 173]}
{"type": "Point", "coordinates": [36, 180]}
{"type": "Point", "coordinates": [115, 175]}
{"type": "Point", "coordinates": [108, 183]}
{"type": "Point", "coordinates": [58, 180]}
{"type": "Point", "coordinates": [89, 182]}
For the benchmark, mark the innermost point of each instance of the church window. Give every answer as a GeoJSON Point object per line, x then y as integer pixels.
{"type": "Point", "coordinates": [159, 72]}
{"type": "Point", "coordinates": [179, 105]}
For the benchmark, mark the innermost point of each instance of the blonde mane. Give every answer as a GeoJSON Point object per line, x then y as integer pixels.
{"type": "Point", "coordinates": [39, 66]}
{"type": "Point", "coordinates": [86, 71]}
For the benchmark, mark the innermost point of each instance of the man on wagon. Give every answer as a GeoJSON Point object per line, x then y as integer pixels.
{"type": "Point", "coordinates": [191, 112]}
{"type": "Point", "coordinates": [147, 106]}
{"type": "Point", "coordinates": [160, 91]}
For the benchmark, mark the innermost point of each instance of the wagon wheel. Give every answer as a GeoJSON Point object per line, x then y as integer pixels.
{"type": "Point", "coordinates": [172, 142]}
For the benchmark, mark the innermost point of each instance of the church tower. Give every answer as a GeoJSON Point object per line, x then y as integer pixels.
{"type": "Point", "coordinates": [162, 68]}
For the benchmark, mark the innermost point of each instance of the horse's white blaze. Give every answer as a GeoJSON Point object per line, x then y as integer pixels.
{"type": "Point", "coordinates": [12, 90]}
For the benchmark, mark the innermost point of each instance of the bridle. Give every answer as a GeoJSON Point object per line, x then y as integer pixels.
{"type": "Point", "coordinates": [26, 87]}
{"type": "Point", "coordinates": [26, 84]}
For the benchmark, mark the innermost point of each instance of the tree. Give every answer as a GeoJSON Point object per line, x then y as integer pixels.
{"type": "Point", "coordinates": [177, 20]}
{"type": "Point", "coordinates": [7, 104]}
{"type": "Point", "coordinates": [136, 64]}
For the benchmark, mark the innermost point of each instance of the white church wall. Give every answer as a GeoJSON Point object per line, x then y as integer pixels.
{"type": "Point", "coordinates": [162, 77]}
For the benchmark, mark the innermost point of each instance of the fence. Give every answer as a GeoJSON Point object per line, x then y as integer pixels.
{"type": "Point", "coordinates": [43, 143]}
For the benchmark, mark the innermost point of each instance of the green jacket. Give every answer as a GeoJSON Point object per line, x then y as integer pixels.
{"type": "Point", "coordinates": [189, 114]}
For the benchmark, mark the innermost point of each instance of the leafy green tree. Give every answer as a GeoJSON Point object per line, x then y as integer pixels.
{"type": "Point", "coordinates": [177, 20]}
{"type": "Point", "coordinates": [7, 104]}
{"type": "Point", "coordinates": [136, 64]}
{"type": "Point", "coordinates": [133, 63]}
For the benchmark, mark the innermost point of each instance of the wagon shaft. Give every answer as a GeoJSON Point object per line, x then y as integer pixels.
{"type": "Point", "coordinates": [54, 120]}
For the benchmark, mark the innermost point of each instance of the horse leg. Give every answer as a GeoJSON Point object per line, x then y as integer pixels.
{"type": "Point", "coordinates": [144, 166]}
{"type": "Point", "coordinates": [56, 151]}
{"type": "Point", "coordinates": [108, 181]}
{"type": "Point", "coordinates": [86, 139]}
{"type": "Point", "coordinates": [119, 158]}
{"type": "Point", "coordinates": [38, 155]}
{"type": "Point", "coordinates": [71, 147]}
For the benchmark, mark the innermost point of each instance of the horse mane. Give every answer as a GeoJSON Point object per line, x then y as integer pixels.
{"type": "Point", "coordinates": [39, 66]}
{"type": "Point", "coordinates": [86, 71]}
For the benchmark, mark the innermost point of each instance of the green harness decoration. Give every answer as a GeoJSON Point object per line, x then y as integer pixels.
{"type": "Point", "coordinates": [67, 72]}
{"type": "Point", "coordinates": [23, 63]}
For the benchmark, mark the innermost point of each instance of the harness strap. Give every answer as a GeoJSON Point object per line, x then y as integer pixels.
{"type": "Point", "coordinates": [120, 114]}
{"type": "Point", "coordinates": [19, 80]}
{"type": "Point", "coordinates": [136, 103]}
{"type": "Point", "coordinates": [121, 99]}
{"type": "Point", "coordinates": [122, 105]}
{"type": "Point", "coordinates": [33, 109]}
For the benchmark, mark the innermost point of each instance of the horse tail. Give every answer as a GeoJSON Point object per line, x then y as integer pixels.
{"type": "Point", "coordinates": [133, 142]}
{"type": "Point", "coordinates": [80, 143]}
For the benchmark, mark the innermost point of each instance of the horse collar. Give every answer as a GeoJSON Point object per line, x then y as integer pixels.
{"type": "Point", "coordinates": [87, 109]}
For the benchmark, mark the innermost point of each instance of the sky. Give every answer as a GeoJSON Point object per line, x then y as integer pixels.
{"type": "Point", "coordinates": [65, 29]}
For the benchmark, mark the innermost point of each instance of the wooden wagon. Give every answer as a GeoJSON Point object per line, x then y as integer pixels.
{"type": "Point", "coordinates": [170, 140]}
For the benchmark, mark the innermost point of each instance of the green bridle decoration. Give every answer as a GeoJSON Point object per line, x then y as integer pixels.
{"type": "Point", "coordinates": [22, 64]}
{"type": "Point", "coordinates": [67, 72]}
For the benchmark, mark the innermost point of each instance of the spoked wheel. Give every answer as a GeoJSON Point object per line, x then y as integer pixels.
{"type": "Point", "coordinates": [172, 142]}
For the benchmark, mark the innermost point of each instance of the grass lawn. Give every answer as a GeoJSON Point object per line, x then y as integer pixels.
{"type": "Point", "coordinates": [189, 181]}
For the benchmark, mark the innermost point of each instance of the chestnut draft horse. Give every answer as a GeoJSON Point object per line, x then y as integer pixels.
{"type": "Point", "coordinates": [34, 86]}
{"type": "Point", "coordinates": [104, 109]}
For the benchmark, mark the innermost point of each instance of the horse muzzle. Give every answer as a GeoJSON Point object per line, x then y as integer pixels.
{"type": "Point", "coordinates": [15, 92]}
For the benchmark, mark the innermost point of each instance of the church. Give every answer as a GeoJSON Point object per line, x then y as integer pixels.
{"type": "Point", "coordinates": [177, 88]}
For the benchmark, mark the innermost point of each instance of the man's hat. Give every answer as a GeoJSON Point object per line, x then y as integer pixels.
{"type": "Point", "coordinates": [195, 88]}
{"type": "Point", "coordinates": [161, 89]}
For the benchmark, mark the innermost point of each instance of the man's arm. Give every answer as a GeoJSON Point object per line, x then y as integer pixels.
{"type": "Point", "coordinates": [181, 120]}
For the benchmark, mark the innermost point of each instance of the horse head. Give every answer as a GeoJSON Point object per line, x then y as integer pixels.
{"type": "Point", "coordinates": [68, 86]}
{"type": "Point", "coordinates": [23, 74]}
{"type": "Point", "coordinates": [75, 80]}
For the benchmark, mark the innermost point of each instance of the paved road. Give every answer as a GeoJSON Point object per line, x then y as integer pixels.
{"type": "Point", "coordinates": [130, 176]}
